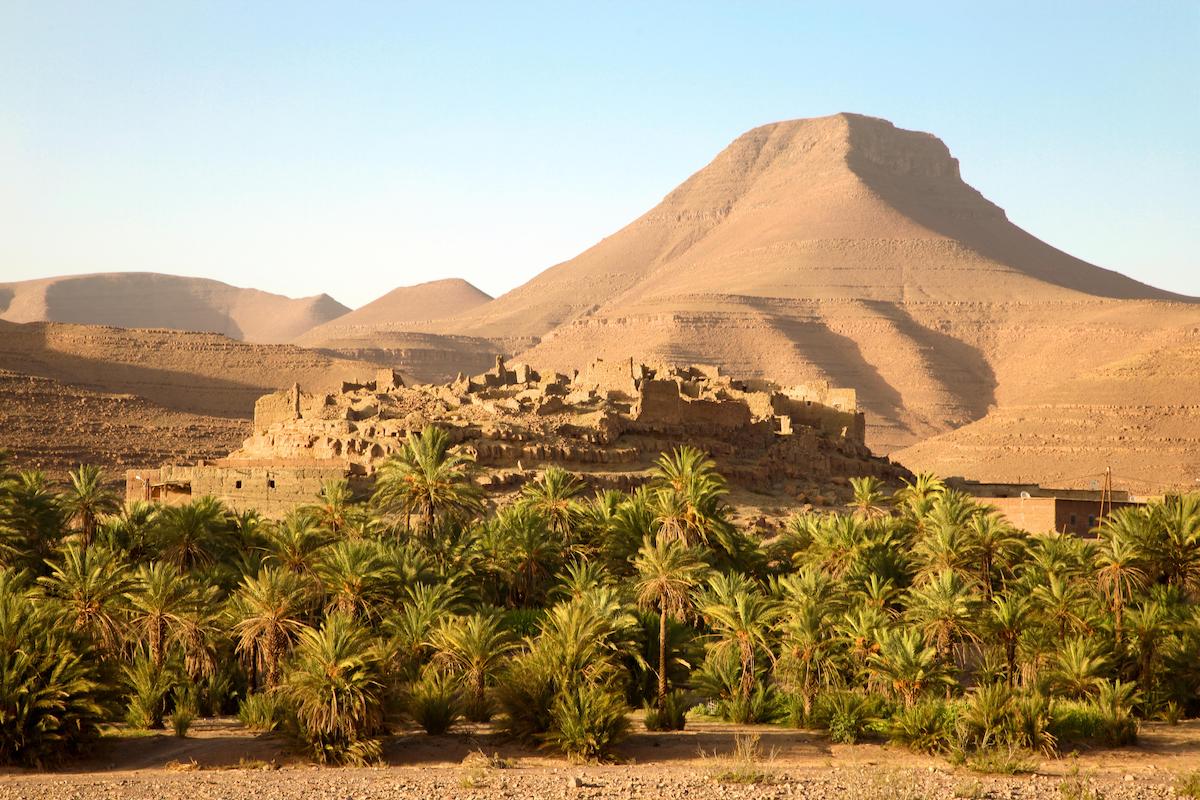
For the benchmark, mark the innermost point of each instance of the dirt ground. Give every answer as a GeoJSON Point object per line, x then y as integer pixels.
{"type": "Point", "coordinates": [221, 760]}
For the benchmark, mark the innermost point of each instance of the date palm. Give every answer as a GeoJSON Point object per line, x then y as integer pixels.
{"type": "Point", "coordinates": [668, 574]}
{"type": "Point", "coordinates": [294, 543]}
{"type": "Point", "coordinates": [90, 585]}
{"type": "Point", "coordinates": [426, 478]}
{"type": "Point", "coordinates": [334, 506]}
{"type": "Point", "coordinates": [944, 610]}
{"type": "Point", "coordinates": [1062, 603]}
{"type": "Point", "coordinates": [688, 497]}
{"type": "Point", "coordinates": [869, 500]}
{"type": "Point", "coordinates": [31, 521]}
{"type": "Point", "coordinates": [808, 651]}
{"type": "Point", "coordinates": [87, 499]}
{"type": "Point", "coordinates": [1119, 564]}
{"type": "Point", "coordinates": [554, 495]}
{"type": "Point", "coordinates": [741, 620]}
{"type": "Point", "coordinates": [356, 578]}
{"type": "Point", "coordinates": [474, 647]}
{"type": "Point", "coordinates": [1010, 617]}
{"type": "Point", "coordinates": [994, 542]}
{"type": "Point", "coordinates": [1077, 668]}
{"type": "Point", "coordinates": [907, 666]}
{"type": "Point", "coordinates": [191, 536]}
{"type": "Point", "coordinates": [335, 690]}
{"type": "Point", "coordinates": [168, 608]}
{"type": "Point", "coordinates": [268, 613]}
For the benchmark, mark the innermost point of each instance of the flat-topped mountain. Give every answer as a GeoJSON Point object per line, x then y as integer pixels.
{"type": "Point", "coordinates": [152, 300]}
{"type": "Point", "coordinates": [849, 250]}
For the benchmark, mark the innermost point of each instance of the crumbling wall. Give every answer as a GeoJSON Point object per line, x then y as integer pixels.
{"type": "Point", "coordinates": [277, 407]}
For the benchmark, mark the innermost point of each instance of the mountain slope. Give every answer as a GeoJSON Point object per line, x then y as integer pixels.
{"type": "Point", "coordinates": [151, 300]}
{"type": "Point", "coordinates": [845, 249]}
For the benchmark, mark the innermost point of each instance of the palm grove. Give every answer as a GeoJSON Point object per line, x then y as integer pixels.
{"type": "Point", "coordinates": [921, 617]}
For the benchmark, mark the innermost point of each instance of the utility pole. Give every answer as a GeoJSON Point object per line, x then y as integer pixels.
{"type": "Point", "coordinates": [1106, 494]}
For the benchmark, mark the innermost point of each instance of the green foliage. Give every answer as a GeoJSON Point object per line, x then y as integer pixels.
{"type": "Point", "coordinates": [928, 726]}
{"type": "Point", "coordinates": [848, 716]}
{"type": "Point", "coordinates": [525, 694]}
{"type": "Point", "coordinates": [1188, 784]}
{"type": "Point", "coordinates": [335, 691]}
{"type": "Point", "coordinates": [264, 712]}
{"type": "Point", "coordinates": [587, 721]}
{"type": "Point", "coordinates": [670, 716]}
{"type": "Point", "coordinates": [148, 684]}
{"type": "Point", "coordinates": [434, 702]}
{"type": "Point", "coordinates": [50, 690]}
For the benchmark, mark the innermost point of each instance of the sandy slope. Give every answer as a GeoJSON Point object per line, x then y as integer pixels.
{"type": "Point", "coordinates": [152, 300]}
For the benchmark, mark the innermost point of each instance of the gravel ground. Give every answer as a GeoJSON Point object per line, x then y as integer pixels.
{"type": "Point", "coordinates": [221, 761]}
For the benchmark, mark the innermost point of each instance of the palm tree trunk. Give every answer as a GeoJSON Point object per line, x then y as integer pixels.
{"type": "Point", "coordinates": [662, 659]}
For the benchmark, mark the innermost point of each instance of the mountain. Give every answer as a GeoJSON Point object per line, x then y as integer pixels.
{"type": "Point", "coordinates": [151, 300]}
{"type": "Point", "coordinates": [382, 332]}
{"type": "Point", "coordinates": [846, 249]}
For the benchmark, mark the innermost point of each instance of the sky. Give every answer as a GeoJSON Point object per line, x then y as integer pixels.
{"type": "Point", "coordinates": [350, 148]}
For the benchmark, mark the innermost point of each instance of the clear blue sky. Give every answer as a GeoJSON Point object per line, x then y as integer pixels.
{"type": "Point", "coordinates": [293, 146]}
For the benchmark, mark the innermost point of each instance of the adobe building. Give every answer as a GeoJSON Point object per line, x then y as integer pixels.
{"type": "Point", "coordinates": [1039, 509]}
{"type": "Point", "coordinates": [607, 424]}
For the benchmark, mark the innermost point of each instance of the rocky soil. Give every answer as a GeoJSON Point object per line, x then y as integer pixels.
{"type": "Point", "coordinates": [220, 760]}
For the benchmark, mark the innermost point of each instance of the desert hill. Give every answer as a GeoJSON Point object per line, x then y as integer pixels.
{"type": "Point", "coordinates": [844, 249]}
{"type": "Point", "coordinates": [381, 332]}
{"type": "Point", "coordinates": [151, 300]}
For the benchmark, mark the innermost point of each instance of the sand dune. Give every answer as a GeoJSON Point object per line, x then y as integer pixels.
{"type": "Point", "coordinates": [151, 300]}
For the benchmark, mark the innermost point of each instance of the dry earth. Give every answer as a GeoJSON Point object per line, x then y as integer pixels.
{"type": "Point", "coordinates": [220, 760]}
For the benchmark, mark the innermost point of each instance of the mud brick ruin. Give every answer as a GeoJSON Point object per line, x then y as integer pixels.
{"type": "Point", "coordinates": [607, 424]}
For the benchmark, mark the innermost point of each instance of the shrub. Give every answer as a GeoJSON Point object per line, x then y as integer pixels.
{"type": "Point", "coordinates": [926, 727]}
{"type": "Point", "coordinates": [49, 687]}
{"type": "Point", "coordinates": [434, 703]}
{"type": "Point", "coordinates": [1034, 723]}
{"type": "Point", "coordinates": [335, 692]}
{"type": "Point", "coordinates": [1108, 720]}
{"type": "Point", "coordinates": [149, 684]}
{"type": "Point", "coordinates": [745, 765]}
{"type": "Point", "coordinates": [525, 694]}
{"type": "Point", "coordinates": [763, 705]}
{"type": "Point", "coordinates": [1007, 760]}
{"type": "Point", "coordinates": [1188, 785]}
{"type": "Point", "coordinates": [588, 721]}
{"type": "Point", "coordinates": [671, 717]}
{"type": "Point", "coordinates": [181, 720]}
{"type": "Point", "coordinates": [848, 716]}
{"type": "Point", "coordinates": [988, 718]}
{"type": "Point", "coordinates": [263, 712]}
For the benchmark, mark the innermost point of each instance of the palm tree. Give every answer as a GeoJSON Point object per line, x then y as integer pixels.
{"type": "Point", "coordinates": [335, 689]}
{"type": "Point", "coordinates": [531, 552]}
{"type": "Point", "coordinates": [165, 608]}
{"type": "Point", "coordinates": [944, 610]}
{"type": "Point", "coordinates": [688, 497]}
{"type": "Point", "coordinates": [1119, 573]}
{"type": "Point", "coordinates": [427, 479]}
{"type": "Point", "coordinates": [31, 521]}
{"type": "Point", "coordinates": [87, 499]}
{"type": "Point", "coordinates": [1150, 624]}
{"type": "Point", "coordinates": [333, 507]}
{"type": "Point", "coordinates": [474, 647]}
{"type": "Point", "coordinates": [356, 578]}
{"type": "Point", "coordinates": [1175, 542]}
{"type": "Point", "coordinates": [553, 496]}
{"type": "Point", "coordinates": [191, 535]}
{"type": "Point", "coordinates": [907, 665]}
{"type": "Point", "coordinates": [1063, 605]}
{"type": "Point", "coordinates": [808, 651]}
{"type": "Point", "coordinates": [1077, 668]}
{"type": "Point", "coordinates": [741, 621]}
{"type": "Point", "coordinates": [131, 529]}
{"type": "Point", "coordinates": [994, 542]}
{"type": "Point", "coordinates": [295, 542]}
{"type": "Point", "coordinates": [268, 612]}
{"type": "Point", "coordinates": [869, 500]}
{"type": "Point", "coordinates": [916, 499]}
{"type": "Point", "coordinates": [90, 585]}
{"type": "Point", "coordinates": [668, 574]}
{"type": "Point", "coordinates": [1010, 617]}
